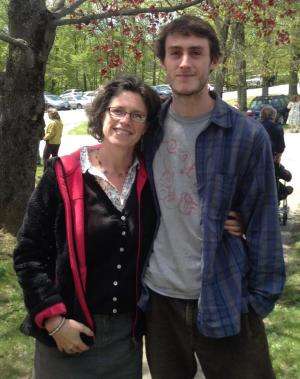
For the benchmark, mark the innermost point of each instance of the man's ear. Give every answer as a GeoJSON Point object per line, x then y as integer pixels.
{"type": "Point", "coordinates": [162, 64]}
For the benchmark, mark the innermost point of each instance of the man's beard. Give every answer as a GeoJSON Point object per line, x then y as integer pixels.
{"type": "Point", "coordinates": [191, 92]}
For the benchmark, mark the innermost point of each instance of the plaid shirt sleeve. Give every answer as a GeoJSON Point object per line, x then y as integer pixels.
{"type": "Point", "coordinates": [259, 211]}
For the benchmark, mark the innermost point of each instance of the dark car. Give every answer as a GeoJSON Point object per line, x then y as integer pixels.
{"type": "Point", "coordinates": [54, 101]}
{"type": "Point", "coordinates": [279, 102]}
{"type": "Point", "coordinates": [163, 90]}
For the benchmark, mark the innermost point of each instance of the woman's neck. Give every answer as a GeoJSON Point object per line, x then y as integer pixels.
{"type": "Point", "coordinates": [112, 161]}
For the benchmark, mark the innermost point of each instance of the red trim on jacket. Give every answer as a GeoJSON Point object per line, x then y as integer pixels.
{"type": "Point", "coordinates": [70, 183]}
{"type": "Point", "coordinates": [141, 180]}
{"type": "Point", "coordinates": [55, 310]}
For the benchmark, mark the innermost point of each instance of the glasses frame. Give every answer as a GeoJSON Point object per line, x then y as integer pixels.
{"type": "Point", "coordinates": [140, 120]}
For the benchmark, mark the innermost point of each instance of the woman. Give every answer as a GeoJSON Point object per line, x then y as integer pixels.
{"type": "Point", "coordinates": [83, 243]}
{"type": "Point", "coordinates": [52, 136]}
{"type": "Point", "coordinates": [293, 119]}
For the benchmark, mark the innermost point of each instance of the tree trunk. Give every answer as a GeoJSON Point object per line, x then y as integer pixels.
{"type": "Point", "coordinates": [239, 42]}
{"type": "Point", "coordinates": [22, 106]}
{"type": "Point", "coordinates": [293, 75]}
{"type": "Point", "coordinates": [222, 28]}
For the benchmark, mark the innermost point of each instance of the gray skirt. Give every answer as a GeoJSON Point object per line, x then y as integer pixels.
{"type": "Point", "coordinates": [113, 356]}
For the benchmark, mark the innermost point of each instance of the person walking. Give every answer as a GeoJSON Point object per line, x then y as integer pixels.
{"type": "Point", "coordinates": [206, 291]}
{"type": "Point", "coordinates": [83, 243]}
{"type": "Point", "coordinates": [267, 118]}
{"type": "Point", "coordinates": [293, 119]}
{"type": "Point", "coordinates": [52, 135]}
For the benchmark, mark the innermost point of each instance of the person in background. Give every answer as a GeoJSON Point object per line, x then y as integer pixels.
{"type": "Point", "coordinates": [52, 135]}
{"type": "Point", "coordinates": [267, 118]}
{"type": "Point", "coordinates": [293, 119]}
{"type": "Point", "coordinates": [207, 291]}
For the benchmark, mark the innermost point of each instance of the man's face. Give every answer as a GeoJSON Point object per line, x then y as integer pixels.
{"type": "Point", "coordinates": [187, 63]}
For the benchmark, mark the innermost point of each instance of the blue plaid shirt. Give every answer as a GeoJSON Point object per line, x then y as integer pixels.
{"type": "Point", "coordinates": [235, 171]}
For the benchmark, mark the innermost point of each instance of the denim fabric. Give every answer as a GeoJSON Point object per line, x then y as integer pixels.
{"type": "Point", "coordinates": [113, 356]}
{"type": "Point", "coordinates": [173, 341]}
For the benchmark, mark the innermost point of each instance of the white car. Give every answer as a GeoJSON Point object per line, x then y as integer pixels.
{"type": "Point", "coordinates": [76, 101]}
{"type": "Point", "coordinates": [254, 81]}
{"type": "Point", "coordinates": [90, 95]}
{"type": "Point", "coordinates": [72, 91]}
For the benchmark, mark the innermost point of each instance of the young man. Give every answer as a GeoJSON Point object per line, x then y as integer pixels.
{"type": "Point", "coordinates": [208, 289]}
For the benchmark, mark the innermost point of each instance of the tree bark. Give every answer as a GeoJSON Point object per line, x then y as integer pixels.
{"type": "Point", "coordinates": [222, 28]}
{"type": "Point", "coordinates": [22, 106]}
{"type": "Point", "coordinates": [238, 33]}
{"type": "Point", "coordinates": [293, 74]}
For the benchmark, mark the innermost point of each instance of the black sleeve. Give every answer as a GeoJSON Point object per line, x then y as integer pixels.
{"type": "Point", "coordinates": [35, 253]}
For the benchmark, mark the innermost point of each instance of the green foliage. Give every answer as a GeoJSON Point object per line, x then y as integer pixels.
{"type": "Point", "coordinates": [16, 352]}
{"type": "Point", "coordinates": [283, 325]}
{"type": "Point", "coordinates": [72, 63]}
{"type": "Point", "coordinates": [80, 129]}
{"type": "Point", "coordinates": [3, 27]}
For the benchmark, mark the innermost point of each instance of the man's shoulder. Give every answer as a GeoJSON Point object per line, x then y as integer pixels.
{"type": "Point", "coordinates": [231, 117]}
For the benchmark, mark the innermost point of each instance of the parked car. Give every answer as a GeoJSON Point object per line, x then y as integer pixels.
{"type": "Point", "coordinates": [76, 101]}
{"type": "Point", "coordinates": [54, 101]}
{"type": "Point", "coordinates": [254, 81]}
{"type": "Point", "coordinates": [279, 102]}
{"type": "Point", "coordinates": [72, 91]}
{"type": "Point", "coordinates": [164, 91]}
{"type": "Point", "coordinates": [90, 95]}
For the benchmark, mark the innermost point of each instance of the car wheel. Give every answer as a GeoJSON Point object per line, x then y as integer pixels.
{"type": "Point", "coordinates": [79, 106]}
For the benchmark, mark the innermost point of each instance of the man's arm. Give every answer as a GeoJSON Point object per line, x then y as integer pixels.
{"type": "Point", "coordinates": [259, 211]}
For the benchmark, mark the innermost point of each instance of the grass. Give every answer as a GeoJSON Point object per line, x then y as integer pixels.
{"type": "Point", "coordinates": [16, 350]}
{"type": "Point", "coordinates": [80, 129]}
{"type": "Point", "coordinates": [283, 325]}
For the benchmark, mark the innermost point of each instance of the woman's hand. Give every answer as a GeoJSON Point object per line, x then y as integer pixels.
{"type": "Point", "coordinates": [67, 338]}
{"type": "Point", "coordinates": [234, 225]}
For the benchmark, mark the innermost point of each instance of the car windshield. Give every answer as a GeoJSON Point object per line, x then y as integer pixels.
{"type": "Point", "coordinates": [258, 103]}
{"type": "Point", "coordinates": [53, 97]}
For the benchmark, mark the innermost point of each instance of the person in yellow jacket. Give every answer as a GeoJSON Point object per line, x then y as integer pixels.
{"type": "Point", "coordinates": [52, 136]}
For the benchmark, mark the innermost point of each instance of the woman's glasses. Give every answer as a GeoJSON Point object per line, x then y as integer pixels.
{"type": "Point", "coordinates": [119, 113]}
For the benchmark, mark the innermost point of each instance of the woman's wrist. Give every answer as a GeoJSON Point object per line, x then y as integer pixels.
{"type": "Point", "coordinates": [58, 327]}
{"type": "Point", "coordinates": [52, 322]}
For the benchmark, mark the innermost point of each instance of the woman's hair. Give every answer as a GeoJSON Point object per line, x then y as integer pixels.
{"type": "Point", "coordinates": [114, 88]}
{"type": "Point", "coordinates": [53, 114]}
{"type": "Point", "coordinates": [295, 98]}
{"type": "Point", "coordinates": [268, 113]}
{"type": "Point", "coordinates": [189, 26]}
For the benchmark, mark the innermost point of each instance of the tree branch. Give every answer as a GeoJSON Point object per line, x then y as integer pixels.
{"type": "Point", "coordinates": [14, 41]}
{"type": "Point", "coordinates": [123, 12]}
{"type": "Point", "coordinates": [70, 9]}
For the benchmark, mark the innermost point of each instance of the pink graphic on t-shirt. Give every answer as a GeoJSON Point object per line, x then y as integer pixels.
{"type": "Point", "coordinates": [177, 163]}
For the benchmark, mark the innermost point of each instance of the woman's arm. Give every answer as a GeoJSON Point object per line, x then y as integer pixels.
{"type": "Point", "coordinates": [35, 253]}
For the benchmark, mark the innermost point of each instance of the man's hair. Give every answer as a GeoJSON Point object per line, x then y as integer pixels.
{"type": "Point", "coordinates": [187, 26]}
{"type": "Point", "coordinates": [114, 88]}
{"type": "Point", "coordinates": [268, 113]}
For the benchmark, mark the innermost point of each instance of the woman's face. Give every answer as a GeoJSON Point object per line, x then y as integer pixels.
{"type": "Point", "coordinates": [124, 122]}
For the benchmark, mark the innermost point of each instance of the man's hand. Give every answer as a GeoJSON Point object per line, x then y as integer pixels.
{"type": "Point", "coordinates": [234, 225]}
